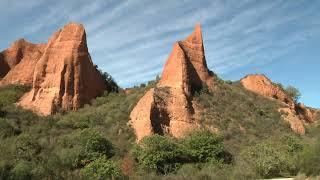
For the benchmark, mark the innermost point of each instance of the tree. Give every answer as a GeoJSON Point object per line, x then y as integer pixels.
{"type": "Point", "coordinates": [293, 92]}
{"type": "Point", "coordinates": [100, 169]}
{"type": "Point", "coordinates": [203, 146]}
{"type": "Point", "coordinates": [93, 146]}
{"type": "Point", "coordinates": [159, 153]}
{"type": "Point", "coordinates": [111, 84]}
{"type": "Point", "coordinates": [273, 157]}
{"type": "Point", "coordinates": [309, 160]}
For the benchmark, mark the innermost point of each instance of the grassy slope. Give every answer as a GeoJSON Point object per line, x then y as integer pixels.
{"type": "Point", "coordinates": [55, 137]}
{"type": "Point", "coordinates": [242, 117]}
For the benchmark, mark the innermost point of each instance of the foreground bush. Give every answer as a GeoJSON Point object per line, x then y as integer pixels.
{"type": "Point", "coordinates": [165, 154]}
{"type": "Point", "coordinates": [203, 146]}
{"type": "Point", "coordinates": [100, 169]}
{"type": "Point", "coordinates": [274, 157]}
{"type": "Point", "coordinates": [159, 153]}
{"type": "Point", "coordinates": [309, 161]}
{"type": "Point", "coordinates": [84, 146]}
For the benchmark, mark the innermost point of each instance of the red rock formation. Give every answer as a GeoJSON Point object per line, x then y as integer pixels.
{"type": "Point", "coordinates": [295, 114]}
{"type": "Point", "coordinates": [168, 108]}
{"type": "Point", "coordinates": [186, 66]}
{"type": "Point", "coordinates": [18, 62]}
{"type": "Point", "coordinates": [64, 76]}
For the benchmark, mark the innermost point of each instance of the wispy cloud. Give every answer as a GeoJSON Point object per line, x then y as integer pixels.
{"type": "Point", "coordinates": [131, 39]}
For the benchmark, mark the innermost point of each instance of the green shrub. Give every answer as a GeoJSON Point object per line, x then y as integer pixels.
{"type": "Point", "coordinates": [110, 83]}
{"type": "Point", "coordinates": [6, 129]}
{"type": "Point", "coordinates": [203, 146]}
{"type": "Point", "coordinates": [274, 157]}
{"type": "Point", "coordinates": [95, 144]}
{"type": "Point", "coordinates": [22, 171]}
{"type": "Point", "coordinates": [10, 94]}
{"type": "Point", "coordinates": [309, 160]}
{"type": "Point", "coordinates": [5, 169]}
{"type": "Point", "coordinates": [293, 92]}
{"type": "Point", "coordinates": [27, 147]}
{"type": "Point", "coordinates": [159, 153]}
{"type": "Point", "coordinates": [84, 146]}
{"type": "Point", "coordinates": [101, 169]}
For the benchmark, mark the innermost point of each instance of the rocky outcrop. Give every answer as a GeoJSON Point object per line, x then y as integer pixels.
{"type": "Point", "coordinates": [169, 108]}
{"type": "Point", "coordinates": [18, 62]}
{"type": "Point", "coordinates": [295, 113]}
{"type": "Point", "coordinates": [64, 76]}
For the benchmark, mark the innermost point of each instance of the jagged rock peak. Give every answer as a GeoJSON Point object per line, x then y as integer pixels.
{"type": "Point", "coordinates": [186, 66]}
{"type": "Point", "coordinates": [196, 36]}
{"type": "Point", "coordinates": [169, 108]}
{"type": "Point", "coordinates": [64, 76]}
{"type": "Point", "coordinates": [18, 62]}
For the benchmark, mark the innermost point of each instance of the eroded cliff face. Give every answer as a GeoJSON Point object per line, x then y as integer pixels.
{"type": "Point", "coordinates": [169, 108]}
{"type": "Point", "coordinates": [295, 113]}
{"type": "Point", "coordinates": [64, 76]}
{"type": "Point", "coordinates": [17, 62]}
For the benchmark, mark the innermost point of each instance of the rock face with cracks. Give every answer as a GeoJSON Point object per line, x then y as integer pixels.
{"type": "Point", "coordinates": [295, 113]}
{"type": "Point", "coordinates": [61, 72]}
{"type": "Point", "coordinates": [168, 108]}
{"type": "Point", "coordinates": [64, 77]}
{"type": "Point", "coordinates": [17, 63]}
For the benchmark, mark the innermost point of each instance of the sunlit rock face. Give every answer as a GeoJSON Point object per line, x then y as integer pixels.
{"type": "Point", "coordinates": [169, 108]}
{"type": "Point", "coordinates": [61, 73]}
{"type": "Point", "coordinates": [296, 114]}
{"type": "Point", "coordinates": [17, 63]}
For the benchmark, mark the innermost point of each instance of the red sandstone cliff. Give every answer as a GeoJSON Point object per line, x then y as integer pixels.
{"type": "Point", "coordinates": [17, 63]}
{"type": "Point", "coordinates": [169, 108]}
{"type": "Point", "coordinates": [64, 76]}
{"type": "Point", "coordinates": [296, 114]}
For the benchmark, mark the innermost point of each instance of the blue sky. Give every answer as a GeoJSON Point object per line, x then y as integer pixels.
{"type": "Point", "coordinates": [131, 39]}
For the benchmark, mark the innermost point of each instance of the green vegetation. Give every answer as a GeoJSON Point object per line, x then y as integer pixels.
{"type": "Point", "coordinates": [274, 157]}
{"type": "Point", "coordinates": [101, 168]}
{"type": "Point", "coordinates": [66, 145]}
{"type": "Point", "coordinates": [164, 155]}
{"type": "Point", "coordinates": [242, 117]}
{"type": "Point", "coordinates": [251, 140]}
{"type": "Point", "coordinates": [293, 92]}
{"type": "Point", "coordinates": [110, 83]}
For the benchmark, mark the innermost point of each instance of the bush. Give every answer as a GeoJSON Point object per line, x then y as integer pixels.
{"type": "Point", "coordinates": [274, 157]}
{"type": "Point", "coordinates": [4, 170]}
{"type": "Point", "coordinates": [22, 171]}
{"type": "Point", "coordinates": [111, 84]}
{"type": "Point", "coordinates": [27, 147]}
{"type": "Point", "coordinates": [101, 168]}
{"type": "Point", "coordinates": [165, 154]}
{"type": "Point", "coordinates": [203, 146]}
{"type": "Point", "coordinates": [309, 160]}
{"type": "Point", "coordinates": [6, 129]}
{"type": "Point", "coordinates": [84, 146]}
{"type": "Point", "coordinates": [159, 153]}
{"type": "Point", "coordinates": [95, 145]}
{"type": "Point", "coordinates": [293, 92]}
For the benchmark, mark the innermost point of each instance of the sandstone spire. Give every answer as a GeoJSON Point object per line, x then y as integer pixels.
{"type": "Point", "coordinates": [64, 76]}
{"type": "Point", "coordinates": [186, 66]}
{"type": "Point", "coordinates": [17, 62]}
{"type": "Point", "coordinates": [168, 108]}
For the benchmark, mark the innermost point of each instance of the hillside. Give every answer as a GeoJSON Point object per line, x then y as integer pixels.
{"type": "Point", "coordinates": [69, 120]}
{"type": "Point", "coordinates": [57, 146]}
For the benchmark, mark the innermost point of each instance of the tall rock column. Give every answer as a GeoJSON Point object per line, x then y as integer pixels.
{"type": "Point", "coordinates": [64, 77]}
{"type": "Point", "coordinates": [169, 108]}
